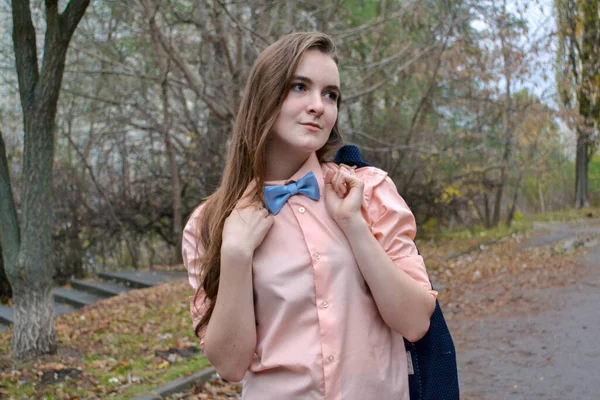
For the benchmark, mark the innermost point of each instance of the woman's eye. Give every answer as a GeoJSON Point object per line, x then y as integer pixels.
{"type": "Point", "coordinates": [298, 87]}
{"type": "Point", "coordinates": [332, 96]}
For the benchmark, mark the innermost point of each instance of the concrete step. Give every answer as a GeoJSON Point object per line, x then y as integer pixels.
{"type": "Point", "coordinates": [60, 308]}
{"type": "Point", "coordinates": [104, 289]}
{"type": "Point", "coordinates": [85, 293]}
{"type": "Point", "coordinates": [142, 279]}
{"type": "Point", "coordinates": [7, 313]}
{"type": "Point", "coordinates": [75, 298]}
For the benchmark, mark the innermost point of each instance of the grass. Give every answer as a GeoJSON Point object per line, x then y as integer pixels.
{"type": "Point", "coordinates": [119, 345]}
{"type": "Point", "coordinates": [102, 382]}
{"type": "Point", "coordinates": [520, 224]}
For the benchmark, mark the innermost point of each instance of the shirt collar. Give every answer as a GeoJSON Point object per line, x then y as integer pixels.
{"type": "Point", "coordinates": [311, 164]}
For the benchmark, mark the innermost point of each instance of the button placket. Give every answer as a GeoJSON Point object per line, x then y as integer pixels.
{"type": "Point", "coordinates": [329, 345]}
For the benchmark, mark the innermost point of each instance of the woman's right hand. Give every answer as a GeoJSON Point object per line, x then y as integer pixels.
{"type": "Point", "coordinates": [247, 225]}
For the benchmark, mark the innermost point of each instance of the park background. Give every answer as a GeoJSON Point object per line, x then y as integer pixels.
{"type": "Point", "coordinates": [484, 112]}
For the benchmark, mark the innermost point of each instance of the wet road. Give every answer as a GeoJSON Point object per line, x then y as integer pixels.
{"type": "Point", "coordinates": [553, 353]}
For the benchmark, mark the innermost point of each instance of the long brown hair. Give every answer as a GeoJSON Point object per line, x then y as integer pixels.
{"type": "Point", "coordinates": [267, 87]}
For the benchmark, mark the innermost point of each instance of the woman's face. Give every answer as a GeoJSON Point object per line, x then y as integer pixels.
{"type": "Point", "coordinates": [309, 111]}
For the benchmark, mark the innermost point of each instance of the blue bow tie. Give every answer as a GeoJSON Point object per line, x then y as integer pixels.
{"type": "Point", "coordinates": [276, 196]}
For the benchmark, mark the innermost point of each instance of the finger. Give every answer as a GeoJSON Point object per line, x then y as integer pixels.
{"type": "Point", "coordinates": [349, 180]}
{"type": "Point", "coordinates": [248, 197]}
{"type": "Point", "coordinates": [347, 168]}
{"type": "Point", "coordinates": [329, 181]}
{"type": "Point", "coordinates": [264, 212]}
{"type": "Point", "coordinates": [338, 179]}
{"type": "Point", "coordinates": [249, 193]}
{"type": "Point", "coordinates": [353, 181]}
{"type": "Point", "coordinates": [329, 189]}
{"type": "Point", "coordinates": [329, 175]}
{"type": "Point", "coordinates": [341, 182]}
{"type": "Point", "coordinates": [269, 220]}
{"type": "Point", "coordinates": [243, 203]}
{"type": "Point", "coordinates": [349, 176]}
{"type": "Point", "coordinates": [250, 189]}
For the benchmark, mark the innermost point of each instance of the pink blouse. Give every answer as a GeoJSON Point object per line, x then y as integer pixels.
{"type": "Point", "coordinates": [319, 333]}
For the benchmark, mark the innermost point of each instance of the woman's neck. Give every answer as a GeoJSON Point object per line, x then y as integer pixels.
{"type": "Point", "coordinates": [282, 165]}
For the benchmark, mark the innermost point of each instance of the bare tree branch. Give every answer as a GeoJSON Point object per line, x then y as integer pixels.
{"type": "Point", "coordinates": [99, 189]}
{"type": "Point", "coordinates": [70, 17]}
{"type": "Point", "coordinates": [241, 26]}
{"type": "Point", "coordinates": [390, 76]}
{"type": "Point", "coordinates": [25, 52]}
{"type": "Point", "coordinates": [221, 111]}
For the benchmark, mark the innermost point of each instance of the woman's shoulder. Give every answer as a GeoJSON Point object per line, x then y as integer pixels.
{"type": "Point", "coordinates": [367, 174]}
{"type": "Point", "coordinates": [371, 176]}
{"type": "Point", "coordinates": [194, 218]}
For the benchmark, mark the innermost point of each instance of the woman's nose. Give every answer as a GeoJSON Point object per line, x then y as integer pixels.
{"type": "Point", "coordinates": [316, 105]}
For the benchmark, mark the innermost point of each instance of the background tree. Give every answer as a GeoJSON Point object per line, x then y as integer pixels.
{"type": "Point", "coordinates": [578, 79]}
{"type": "Point", "coordinates": [6, 207]}
{"type": "Point", "coordinates": [27, 244]}
{"type": "Point", "coordinates": [441, 94]}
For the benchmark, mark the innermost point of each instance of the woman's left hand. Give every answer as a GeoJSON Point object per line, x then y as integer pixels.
{"type": "Point", "coordinates": [343, 196]}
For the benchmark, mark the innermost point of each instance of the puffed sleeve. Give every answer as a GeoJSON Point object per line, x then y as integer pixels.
{"type": "Point", "coordinates": [192, 252]}
{"type": "Point", "coordinates": [392, 223]}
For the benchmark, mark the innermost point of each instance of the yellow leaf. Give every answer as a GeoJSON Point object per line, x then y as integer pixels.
{"type": "Point", "coordinates": [163, 365]}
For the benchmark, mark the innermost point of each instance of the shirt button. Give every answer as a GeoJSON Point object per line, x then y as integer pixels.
{"type": "Point", "coordinates": [325, 304]}
{"type": "Point", "coordinates": [317, 256]}
{"type": "Point", "coordinates": [302, 209]}
{"type": "Point", "coordinates": [331, 358]}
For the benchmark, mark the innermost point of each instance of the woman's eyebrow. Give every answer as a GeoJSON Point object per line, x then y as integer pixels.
{"type": "Point", "coordinates": [308, 81]}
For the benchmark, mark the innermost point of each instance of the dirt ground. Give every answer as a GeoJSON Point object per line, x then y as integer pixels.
{"type": "Point", "coordinates": [550, 351]}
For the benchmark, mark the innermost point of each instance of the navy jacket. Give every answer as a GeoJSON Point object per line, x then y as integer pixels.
{"type": "Point", "coordinates": [435, 374]}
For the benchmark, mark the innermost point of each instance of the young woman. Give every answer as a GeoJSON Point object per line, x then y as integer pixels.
{"type": "Point", "coordinates": [306, 274]}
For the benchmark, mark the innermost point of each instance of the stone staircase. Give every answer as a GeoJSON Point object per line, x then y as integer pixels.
{"type": "Point", "coordinates": [81, 293]}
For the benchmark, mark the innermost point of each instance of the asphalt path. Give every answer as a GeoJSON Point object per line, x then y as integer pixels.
{"type": "Point", "coordinates": [552, 353]}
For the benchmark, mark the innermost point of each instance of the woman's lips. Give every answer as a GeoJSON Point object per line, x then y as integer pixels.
{"type": "Point", "coordinates": [311, 126]}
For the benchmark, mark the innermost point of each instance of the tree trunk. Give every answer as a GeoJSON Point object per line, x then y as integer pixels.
{"type": "Point", "coordinates": [541, 194]}
{"type": "Point", "coordinates": [76, 251]}
{"type": "Point", "coordinates": [5, 289]}
{"type": "Point", "coordinates": [515, 200]}
{"type": "Point", "coordinates": [9, 232]}
{"type": "Point", "coordinates": [173, 168]}
{"type": "Point", "coordinates": [33, 332]}
{"type": "Point", "coordinates": [28, 255]}
{"type": "Point", "coordinates": [507, 130]}
{"type": "Point", "coordinates": [581, 171]}
{"type": "Point", "coordinates": [487, 222]}
{"type": "Point", "coordinates": [31, 277]}
{"type": "Point", "coordinates": [290, 20]}
{"type": "Point", "coordinates": [164, 64]}
{"type": "Point", "coordinates": [134, 254]}
{"type": "Point", "coordinates": [587, 96]}
{"type": "Point", "coordinates": [176, 191]}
